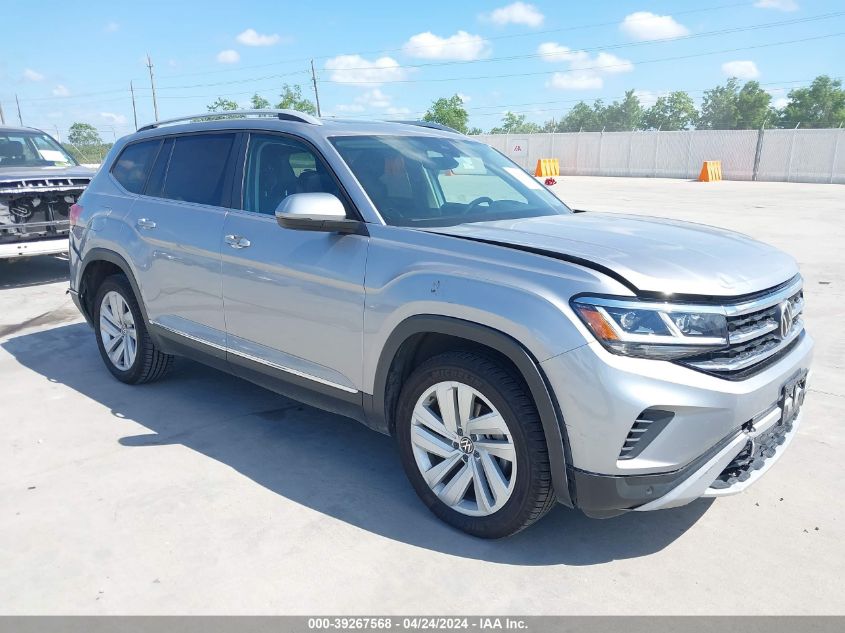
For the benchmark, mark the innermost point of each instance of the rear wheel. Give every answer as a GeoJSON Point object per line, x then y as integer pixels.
{"type": "Point", "coordinates": [122, 337]}
{"type": "Point", "coordinates": [473, 446]}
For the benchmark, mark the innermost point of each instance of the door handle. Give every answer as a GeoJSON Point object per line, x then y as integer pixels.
{"type": "Point", "coordinates": [144, 223]}
{"type": "Point", "coordinates": [236, 241]}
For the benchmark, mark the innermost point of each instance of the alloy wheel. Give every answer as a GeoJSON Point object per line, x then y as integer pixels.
{"type": "Point", "coordinates": [117, 330]}
{"type": "Point", "coordinates": [463, 449]}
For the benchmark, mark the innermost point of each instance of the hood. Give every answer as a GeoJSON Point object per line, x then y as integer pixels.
{"type": "Point", "coordinates": [651, 254]}
{"type": "Point", "coordinates": [20, 173]}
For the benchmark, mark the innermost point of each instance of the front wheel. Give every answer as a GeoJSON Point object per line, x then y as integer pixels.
{"type": "Point", "coordinates": [472, 444]}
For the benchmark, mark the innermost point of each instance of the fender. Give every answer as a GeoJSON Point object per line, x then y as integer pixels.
{"type": "Point", "coordinates": [550, 416]}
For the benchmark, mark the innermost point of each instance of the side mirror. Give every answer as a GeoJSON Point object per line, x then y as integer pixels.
{"type": "Point", "coordinates": [315, 212]}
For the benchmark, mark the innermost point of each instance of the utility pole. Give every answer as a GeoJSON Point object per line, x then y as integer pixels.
{"type": "Point", "coordinates": [153, 86]}
{"type": "Point", "coordinates": [58, 134]}
{"type": "Point", "coordinates": [20, 118]}
{"type": "Point", "coordinates": [2, 117]}
{"type": "Point", "coordinates": [134, 111]}
{"type": "Point", "coordinates": [314, 81]}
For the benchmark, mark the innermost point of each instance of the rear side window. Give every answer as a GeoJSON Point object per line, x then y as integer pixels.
{"type": "Point", "coordinates": [198, 168]}
{"type": "Point", "coordinates": [133, 165]}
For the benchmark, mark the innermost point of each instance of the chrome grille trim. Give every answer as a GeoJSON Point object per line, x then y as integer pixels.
{"type": "Point", "coordinates": [753, 334]}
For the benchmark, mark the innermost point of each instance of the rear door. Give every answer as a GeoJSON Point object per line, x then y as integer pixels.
{"type": "Point", "coordinates": [294, 300]}
{"type": "Point", "coordinates": [177, 228]}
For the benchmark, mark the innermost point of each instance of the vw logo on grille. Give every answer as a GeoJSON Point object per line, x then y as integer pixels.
{"type": "Point", "coordinates": [466, 445]}
{"type": "Point", "coordinates": [785, 318]}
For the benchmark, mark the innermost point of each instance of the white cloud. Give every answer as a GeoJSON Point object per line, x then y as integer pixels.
{"type": "Point", "coordinates": [354, 69]}
{"type": "Point", "coordinates": [394, 111]}
{"type": "Point", "coordinates": [461, 46]}
{"type": "Point", "coordinates": [517, 13]}
{"type": "Point", "coordinates": [741, 69]}
{"type": "Point", "coordinates": [644, 25]}
{"type": "Point", "coordinates": [606, 63]}
{"type": "Point", "coordinates": [32, 75]}
{"type": "Point", "coordinates": [553, 52]}
{"type": "Point", "coordinates": [60, 91]}
{"type": "Point", "coordinates": [464, 98]}
{"type": "Point", "coordinates": [576, 80]}
{"type": "Point", "coordinates": [647, 97]}
{"type": "Point", "coordinates": [111, 27]}
{"type": "Point", "coordinates": [371, 99]}
{"type": "Point", "coordinates": [228, 56]}
{"type": "Point", "coordinates": [778, 5]}
{"type": "Point", "coordinates": [111, 117]}
{"type": "Point", "coordinates": [251, 37]}
{"type": "Point", "coordinates": [585, 72]}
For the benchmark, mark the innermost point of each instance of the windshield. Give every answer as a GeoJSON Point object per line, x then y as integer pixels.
{"type": "Point", "coordinates": [431, 181]}
{"type": "Point", "coordinates": [31, 149]}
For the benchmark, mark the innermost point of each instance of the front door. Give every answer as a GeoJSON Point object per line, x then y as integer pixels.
{"type": "Point", "coordinates": [293, 300]}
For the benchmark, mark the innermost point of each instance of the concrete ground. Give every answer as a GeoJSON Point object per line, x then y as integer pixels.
{"type": "Point", "coordinates": [206, 494]}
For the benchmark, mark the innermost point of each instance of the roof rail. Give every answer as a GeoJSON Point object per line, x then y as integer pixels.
{"type": "Point", "coordinates": [429, 124]}
{"type": "Point", "coordinates": [283, 115]}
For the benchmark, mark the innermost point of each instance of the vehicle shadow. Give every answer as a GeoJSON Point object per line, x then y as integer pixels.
{"type": "Point", "coordinates": [326, 462]}
{"type": "Point", "coordinates": [32, 271]}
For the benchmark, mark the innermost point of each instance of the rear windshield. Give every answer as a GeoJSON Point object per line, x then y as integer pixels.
{"type": "Point", "coordinates": [32, 149]}
{"type": "Point", "coordinates": [430, 181]}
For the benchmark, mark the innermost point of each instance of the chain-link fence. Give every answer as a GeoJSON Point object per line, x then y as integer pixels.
{"type": "Point", "coordinates": [780, 155]}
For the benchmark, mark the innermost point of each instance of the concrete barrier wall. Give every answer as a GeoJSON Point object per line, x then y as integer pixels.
{"type": "Point", "coordinates": [774, 155]}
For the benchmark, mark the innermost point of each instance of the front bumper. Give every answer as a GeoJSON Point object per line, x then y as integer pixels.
{"type": "Point", "coordinates": [601, 395]}
{"type": "Point", "coordinates": [54, 246]}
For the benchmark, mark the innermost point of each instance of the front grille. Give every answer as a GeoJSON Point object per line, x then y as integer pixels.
{"type": "Point", "coordinates": [754, 335]}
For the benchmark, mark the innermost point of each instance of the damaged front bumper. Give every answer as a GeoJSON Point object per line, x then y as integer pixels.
{"type": "Point", "coordinates": [34, 215]}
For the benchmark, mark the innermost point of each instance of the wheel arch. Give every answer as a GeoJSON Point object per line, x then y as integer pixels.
{"type": "Point", "coordinates": [419, 337]}
{"type": "Point", "coordinates": [98, 264]}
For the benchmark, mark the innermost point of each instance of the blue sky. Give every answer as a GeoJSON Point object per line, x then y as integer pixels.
{"type": "Point", "coordinates": [73, 61]}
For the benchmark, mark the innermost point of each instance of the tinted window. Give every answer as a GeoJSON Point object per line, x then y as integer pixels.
{"type": "Point", "coordinates": [133, 165]}
{"type": "Point", "coordinates": [277, 167]}
{"type": "Point", "coordinates": [197, 168]}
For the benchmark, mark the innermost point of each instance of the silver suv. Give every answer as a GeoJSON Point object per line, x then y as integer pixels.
{"type": "Point", "coordinates": [418, 281]}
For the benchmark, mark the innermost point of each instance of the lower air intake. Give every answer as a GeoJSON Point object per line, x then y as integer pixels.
{"type": "Point", "coordinates": [646, 427]}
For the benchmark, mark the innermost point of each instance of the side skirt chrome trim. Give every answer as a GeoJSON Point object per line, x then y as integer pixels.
{"type": "Point", "coordinates": [255, 359]}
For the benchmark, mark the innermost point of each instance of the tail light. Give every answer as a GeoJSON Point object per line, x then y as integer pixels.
{"type": "Point", "coordinates": [75, 212]}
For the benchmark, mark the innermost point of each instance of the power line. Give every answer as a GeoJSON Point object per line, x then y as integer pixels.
{"type": "Point", "coordinates": [606, 47]}
{"type": "Point", "coordinates": [488, 60]}
{"type": "Point", "coordinates": [599, 67]}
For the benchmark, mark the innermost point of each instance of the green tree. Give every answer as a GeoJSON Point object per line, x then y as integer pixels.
{"type": "Point", "coordinates": [222, 104]}
{"type": "Point", "coordinates": [84, 135]}
{"type": "Point", "coordinates": [622, 115]}
{"type": "Point", "coordinates": [822, 104]}
{"type": "Point", "coordinates": [292, 99]}
{"type": "Point", "coordinates": [675, 111]}
{"type": "Point", "coordinates": [449, 112]}
{"type": "Point", "coordinates": [258, 102]}
{"type": "Point", "coordinates": [581, 117]}
{"type": "Point", "coordinates": [719, 108]}
{"type": "Point", "coordinates": [475, 131]}
{"type": "Point", "coordinates": [515, 124]}
{"type": "Point", "coordinates": [753, 106]}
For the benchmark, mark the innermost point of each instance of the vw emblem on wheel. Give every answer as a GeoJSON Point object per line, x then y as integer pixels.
{"type": "Point", "coordinates": [785, 318]}
{"type": "Point", "coordinates": [465, 444]}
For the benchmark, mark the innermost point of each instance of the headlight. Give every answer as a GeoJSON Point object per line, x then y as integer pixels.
{"type": "Point", "coordinates": [653, 330]}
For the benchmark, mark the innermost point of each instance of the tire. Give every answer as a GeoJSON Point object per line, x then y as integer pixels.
{"type": "Point", "coordinates": [116, 326]}
{"type": "Point", "coordinates": [511, 484]}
